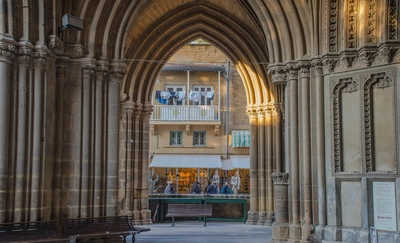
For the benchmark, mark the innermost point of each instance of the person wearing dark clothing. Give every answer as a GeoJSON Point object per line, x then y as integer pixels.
{"type": "Point", "coordinates": [212, 189]}
{"type": "Point", "coordinates": [226, 189]}
{"type": "Point", "coordinates": [196, 188]}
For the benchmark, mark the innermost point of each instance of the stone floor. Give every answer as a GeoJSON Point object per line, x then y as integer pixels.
{"type": "Point", "coordinates": [195, 232]}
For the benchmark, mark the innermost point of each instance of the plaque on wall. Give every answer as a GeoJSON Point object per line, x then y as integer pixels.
{"type": "Point", "coordinates": [384, 206]}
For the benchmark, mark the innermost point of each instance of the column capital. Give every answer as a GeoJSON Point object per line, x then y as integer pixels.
{"type": "Point", "coordinates": [24, 55]}
{"type": "Point", "coordinates": [147, 110]}
{"type": "Point", "coordinates": [280, 177]}
{"type": "Point", "coordinates": [252, 112]}
{"type": "Point", "coordinates": [318, 68]}
{"type": "Point", "coordinates": [7, 52]}
{"type": "Point", "coordinates": [40, 58]}
{"type": "Point", "coordinates": [329, 64]}
{"type": "Point", "coordinates": [278, 73]}
{"type": "Point", "coordinates": [304, 69]}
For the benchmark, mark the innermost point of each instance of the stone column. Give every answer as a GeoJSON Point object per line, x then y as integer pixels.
{"type": "Point", "coordinates": [6, 57]}
{"type": "Point", "coordinates": [320, 137]}
{"type": "Point", "coordinates": [126, 163]}
{"type": "Point", "coordinates": [280, 228]}
{"type": "Point", "coordinates": [294, 228]}
{"type": "Point", "coordinates": [144, 209]}
{"type": "Point", "coordinates": [254, 206]}
{"type": "Point", "coordinates": [21, 132]}
{"type": "Point", "coordinates": [306, 151]}
{"type": "Point", "coordinates": [262, 198]}
{"type": "Point", "coordinates": [85, 183]}
{"type": "Point", "coordinates": [58, 137]}
{"type": "Point", "coordinates": [136, 153]}
{"type": "Point", "coordinates": [112, 147]}
{"type": "Point", "coordinates": [269, 167]}
{"type": "Point", "coordinates": [37, 171]}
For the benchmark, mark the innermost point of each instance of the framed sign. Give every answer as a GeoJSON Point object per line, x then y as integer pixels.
{"type": "Point", "coordinates": [384, 206]}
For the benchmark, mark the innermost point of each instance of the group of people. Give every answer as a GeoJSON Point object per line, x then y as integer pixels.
{"type": "Point", "coordinates": [196, 189]}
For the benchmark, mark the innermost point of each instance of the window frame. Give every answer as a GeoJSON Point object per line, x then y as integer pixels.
{"type": "Point", "coordinates": [199, 138]}
{"type": "Point", "coordinates": [175, 137]}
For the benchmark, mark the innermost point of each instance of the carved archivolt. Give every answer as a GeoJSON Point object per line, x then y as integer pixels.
{"type": "Point", "coordinates": [345, 85]}
{"type": "Point", "coordinates": [377, 80]}
{"type": "Point", "coordinates": [392, 19]}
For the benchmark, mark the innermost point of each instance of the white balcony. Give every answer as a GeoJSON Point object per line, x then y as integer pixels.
{"type": "Point", "coordinates": [185, 113]}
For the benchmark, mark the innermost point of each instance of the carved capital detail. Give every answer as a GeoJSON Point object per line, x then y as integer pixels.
{"type": "Point", "coordinates": [329, 64]}
{"type": "Point", "coordinates": [348, 59]}
{"type": "Point", "coordinates": [7, 52]}
{"type": "Point", "coordinates": [56, 45]}
{"type": "Point", "coordinates": [40, 58]}
{"type": "Point", "coordinates": [318, 68]}
{"type": "Point", "coordinates": [293, 73]}
{"type": "Point", "coordinates": [280, 177]}
{"type": "Point", "coordinates": [75, 50]}
{"type": "Point", "coordinates": [24, 55]}
{"type": "Point", "coordinates": [279, 75]}
{"type": "Point", "coordinates": [367, 57]}
{"type": "Point", "coordinates": [252, 112]}
{"type": "Point", "coordinates": [304, 70]}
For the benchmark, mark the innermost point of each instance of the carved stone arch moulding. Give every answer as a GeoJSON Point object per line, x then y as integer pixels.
{"type": "Point", "coordinates": [377, 80]}
{"type": "Point", "coordinates": [343, 85]}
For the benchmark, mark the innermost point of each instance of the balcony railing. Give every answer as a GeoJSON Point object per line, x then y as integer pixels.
{"type": "Point", "coordinates": [182, 112]}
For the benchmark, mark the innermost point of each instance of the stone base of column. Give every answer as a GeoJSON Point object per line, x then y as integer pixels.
{"type": "Point", "coordinates": [136, 217]}
{"type": "Point", "coordinates": [294, 233]}
{"type": "Point", "coordinates": [306, 230]}
{"type": "Point", "coordinates": [125, 212]}
{"type": "Point", "coordinates": [319, 232]}
{"type": "Point", "coordinates": [262, 216]}
{"type": "Point", "coordinates": [146, 216]}
{"type": "Point", "coordinates": [252, 217]}
{"type": "Point", "coordinates": [280, 232]}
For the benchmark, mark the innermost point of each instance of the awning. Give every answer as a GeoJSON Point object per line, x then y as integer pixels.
{"type": "Point", "coordinates": [240, 161]}
{"type": "Point", "coordinates": [186, 161]}
{"type": "Point", "coordinates": [226, 164]}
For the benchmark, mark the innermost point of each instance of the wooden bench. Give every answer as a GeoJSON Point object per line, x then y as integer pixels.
{"type": "Point", "coordinates": [189, 210]}
{"type": "Point", "coordinates": [103, 227]}
{"type": "Point", "coordinates": [40, 231]}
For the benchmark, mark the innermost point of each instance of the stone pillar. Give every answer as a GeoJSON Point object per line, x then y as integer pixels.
{"type": "Point", "coordinates": [306, 187]}
{"type": "Point", "coordinates": [294, 228]}
{"type": "Point", "coordinates": [144, 206]}
{"type": "Point", "coordinates": [320, 137]}
{"type": "Point", "coordinates": [280, 228]}
{"type": "Point", "coordinates": [60, 79]}
{"type": "Point", "coordinates": [126, 163]}
{"type": "Point", "coordinates": [37, 171]}
{"type": "Point", "coordinates": [6, 57]}
{"type": "Point", "coordinates": [114, 84]}
{"type": "Point", "coordinates": [254, 206]}
{"type": "Point", "coordinates": [262, 198]}
{"type": "Point", "coordinates": [269, 164]}
{"type": "Point", "coordinates": [85, 183]}
{"type": "Point", "coordinates": [21, 132]}
{"type": "Point", "coordinates": [136, 157]}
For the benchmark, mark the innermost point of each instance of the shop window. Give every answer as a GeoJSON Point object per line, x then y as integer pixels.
{"type": "Point", "coordinates": [176, 138]}
{"type": "Point", "coordinates": [199, 138]}
{"type": "Point", "coordinates": [240, 138]}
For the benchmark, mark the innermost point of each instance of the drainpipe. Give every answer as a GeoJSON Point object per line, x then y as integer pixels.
{"type": "Point", "coordinates": [227, 106]}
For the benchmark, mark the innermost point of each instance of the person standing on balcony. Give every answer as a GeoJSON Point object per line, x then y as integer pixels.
{"type": "Point", "coordinates": [226, 189]}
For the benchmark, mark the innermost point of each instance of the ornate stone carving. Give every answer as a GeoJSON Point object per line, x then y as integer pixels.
{"type": "Point", "coordinates": [75, 50]}
{"type": "Point", "coordinates": [345, 85]}
{"type": "Point", "coordinates": [329, 64]}
{"type": "Point", "coordinates": [24, 55]}
{"type": "Point", "coordinates": [40, 58]}
{"type": "Point", "coordinates": [371, 21]}
{"type": "Point", "coordinates": [367, 57]}
{"type": "Point", "coordinates": [348, 59]}
{"type": "Point", "coordinates": [352, 23]}
{"type": "Point", "coordinates": [304, 70]}
{"type": "Point", "coordinates": [55, 45]}
{"type": "Point", "coordinates": [293, 73]}
{"type": "Point", "coordinates": [333, 26]}
{"type": "Point", "coordinates": [377, 80]}
{"type": "Point", "coordinates": [318, 68]}
{"type": "Point", "coordinates": [280, 177]}
{"type": "Point", "coordinates": [252, 112]}
{"type": "Point", "coordinates": [7, 52]}
{"type": "Point", "coordinates": [385, 55]}
{"type": "Point", "coordinates": [392, 19]}
{"type": "Point", "coordinates": [278, 74]}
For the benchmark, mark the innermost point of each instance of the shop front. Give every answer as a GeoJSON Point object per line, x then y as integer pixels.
{"type": "Point", "coordinates": [182, 171]}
